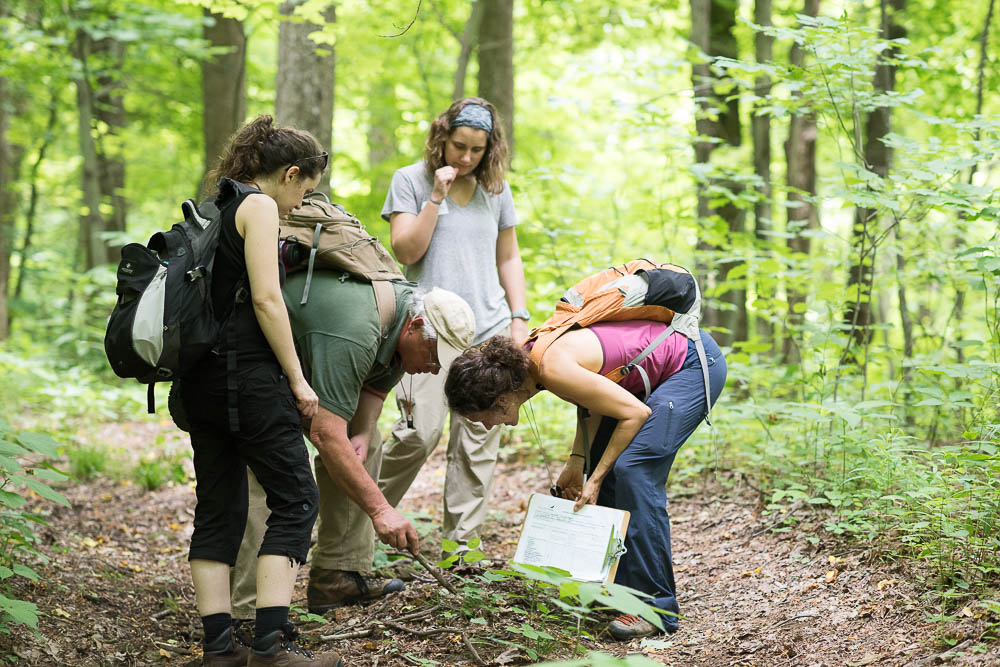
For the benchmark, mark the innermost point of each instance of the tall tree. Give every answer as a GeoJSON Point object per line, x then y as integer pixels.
{"type": "Point", "coordinates": [8, 166]}
{"type": "Point", "coordinates": [305, 79]}
{"type": "Point", "coordinates": [109, 112]}
{"type": "Point", "coordinates": [877, 157]}
{"type": "Point", "coordinates": [91, 218]}
{"type": "Point", "coordinates": [761, 124]}
{"type": "Point", "coordinates": [496, 61]}
{"type": "Point", "coordinates": [223, 84]}
{"type": "Point", "coordinates": [466, 41]}
{"type": "Point", "coordinates": [717, 121]}
{"type": "Point", "coordinates": [800, 174]}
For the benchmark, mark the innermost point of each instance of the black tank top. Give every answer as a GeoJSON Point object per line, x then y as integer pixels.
{"type": "Point", "coordinates": [242, 333]}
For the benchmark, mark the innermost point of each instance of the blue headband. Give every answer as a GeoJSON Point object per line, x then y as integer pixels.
{"type": "Point", "coordinates": [474, 115]}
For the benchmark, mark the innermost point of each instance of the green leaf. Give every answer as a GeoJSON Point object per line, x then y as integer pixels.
{"type": "Point", "coordinates": [8, 448]}
{"type": "Point", "coordinates": [474, 543]}
{"type": "Point", "coordinates": [7, 464]}
{"type": "Point", "coordinates": [11, 499]}
{"type": "Point", "coordinates": [26, 572]}
{"type": "Point", "coordinates": [473, 556]}
{"type": "Point", "coordinates": [39, 442]}
{"type": "Point", "coordinates": [5, 572]}
{"type": "Point", "coordinates": [449, 546]}
{"type": "Point", "coordinates": [45, 491]}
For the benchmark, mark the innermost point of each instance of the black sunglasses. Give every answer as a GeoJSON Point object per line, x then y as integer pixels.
{"type": "Point", "coordinates": [324, 156]}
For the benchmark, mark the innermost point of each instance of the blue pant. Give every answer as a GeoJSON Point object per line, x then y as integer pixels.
{"type": "Point", "coordinates": [637, 481]}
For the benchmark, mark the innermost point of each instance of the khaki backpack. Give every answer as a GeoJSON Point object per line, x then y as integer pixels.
{"type": "Point", "coordinates": [322, 235]}
{"type": "Point", "coordinates": [638, 290]}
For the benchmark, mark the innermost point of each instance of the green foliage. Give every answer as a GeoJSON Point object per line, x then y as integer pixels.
{"type": "Point", "coordinates": [86, 463]}
{"type": "Point", "coordinates": [152, 473]}
{"type": "Point", "coordinates": [24, 473]}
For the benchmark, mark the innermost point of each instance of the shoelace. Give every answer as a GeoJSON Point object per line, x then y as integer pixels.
{"type": "Point", "coordinates": [239, 637]}
{"type": "Point", "coordinates": [627, 619]}
{"type": "Point", "coordinates": [364, 583]}
{"type": "Point", "coordinates": [289, 635]}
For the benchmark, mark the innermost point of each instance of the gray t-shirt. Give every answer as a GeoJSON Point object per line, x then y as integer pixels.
{"type": "Point", "coordinates": [462, 255]}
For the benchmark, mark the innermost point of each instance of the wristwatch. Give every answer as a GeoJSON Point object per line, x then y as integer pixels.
{"type": "Point", "coordinates": [521, 314]}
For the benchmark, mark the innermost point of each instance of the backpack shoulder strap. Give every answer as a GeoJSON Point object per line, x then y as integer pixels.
{"type": "Point", "coordinates": [385, 302]}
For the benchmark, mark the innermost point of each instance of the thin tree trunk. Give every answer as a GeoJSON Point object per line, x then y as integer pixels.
{"type": "Point", "coordinates": [878, 159]}
{"type": "Point", "coordinates": [91, 221]}
{"type": "Point", "coordinates": [981, 73]}
{"type": "Point", "coordinates": [29, 218]}
{"type": "Point", "coordinates": [763, 208]}
{"type": "Point", "coordinates": [305, 80]}
{"type": "Point", "coordinates": [7, 204]}
{"type": "Point", "coordinates": [800, 169]}
{"type": "Point", "coordinates": [467, 41]}
{"type": "Point", "coordinates": [712, 23]}
{"type": "Point", "coordinates": [223, 86]}
{"type": "Point", "coordinates": [109, 110]}
{"type": "Point", "coordinates": [496, 61]}
{"type": "Point", "coordinates": [383, 118]}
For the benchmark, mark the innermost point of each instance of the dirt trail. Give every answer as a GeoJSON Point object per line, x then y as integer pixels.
{"type": "Point", "coordinates": [117, 589]}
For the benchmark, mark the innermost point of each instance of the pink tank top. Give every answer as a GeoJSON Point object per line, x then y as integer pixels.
{"type": "Point", "coordinates": [624, 341]}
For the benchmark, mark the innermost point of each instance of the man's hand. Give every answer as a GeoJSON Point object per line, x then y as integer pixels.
{"type": "Point", "coordinates": [394, 529]}
{"type": "Point", "coordinates": [360, 445]}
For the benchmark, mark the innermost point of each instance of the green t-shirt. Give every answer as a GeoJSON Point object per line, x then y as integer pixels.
{"type": "Point", "coordinates": [338, 338]}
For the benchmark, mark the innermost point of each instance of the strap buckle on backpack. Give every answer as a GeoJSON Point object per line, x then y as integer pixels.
{"type": "Point", "coordinates": [197, 273]}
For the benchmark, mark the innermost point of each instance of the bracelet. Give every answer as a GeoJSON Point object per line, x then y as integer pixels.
{"type": "Point", "coordinates": [436, 203]}
{"type": "Point", "coordinates": [521, 314]}
{"type": "Point", "coordinates": [580, 455]}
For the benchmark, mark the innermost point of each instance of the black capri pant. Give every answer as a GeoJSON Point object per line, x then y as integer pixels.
{"type": "Point", "coordinates": [269, 441]}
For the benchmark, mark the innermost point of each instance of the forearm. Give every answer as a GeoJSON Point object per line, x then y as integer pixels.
{"type": "Point", "coordinates": [347, 471]}
{"type": "Point", "coordinates": [410, 235]}
{"type": "Point", "coordinates": [623, 434]}
{"type": "Point", "coordinates": [366, 415]}
{"type": "Point", "coordinates": [510, 270]}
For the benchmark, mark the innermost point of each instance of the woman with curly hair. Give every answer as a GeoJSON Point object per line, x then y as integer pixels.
{"type": "Point", "coordinates": [452, 224]}
{"type": "Point", "coordinates": [634, 437]}
{"type": "Point", "coordinates": [246, 402]}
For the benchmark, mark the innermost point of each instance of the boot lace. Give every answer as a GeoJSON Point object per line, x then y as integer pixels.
{"type": "Point", "coordinates": [363, 583]}
{"type": "Point", "coordinates": [289, 635]}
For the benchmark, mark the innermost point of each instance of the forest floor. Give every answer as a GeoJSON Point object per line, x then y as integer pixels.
{"type": "Point", "coordinates": [117, 589]}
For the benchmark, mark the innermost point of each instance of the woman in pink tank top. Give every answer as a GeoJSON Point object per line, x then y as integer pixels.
{"type": "Point", "coordinates": [633, 438]}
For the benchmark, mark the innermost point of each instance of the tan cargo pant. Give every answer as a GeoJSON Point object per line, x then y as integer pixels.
{"type": "Point", "coordinates": [471, 456]}
{"type": "Point", "coordinates": [345, 535]}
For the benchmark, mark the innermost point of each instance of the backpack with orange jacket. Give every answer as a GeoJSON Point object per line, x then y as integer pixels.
{"type": "Point", "coordinates": [638, 290]}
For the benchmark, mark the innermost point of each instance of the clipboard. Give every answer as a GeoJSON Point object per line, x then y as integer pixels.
{"type": "Point", "coordinates": [588, 544]}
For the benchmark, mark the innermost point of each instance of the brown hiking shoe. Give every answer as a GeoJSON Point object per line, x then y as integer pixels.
{"type": "Point", "coordinates": [230, 649]}
{"type": "Point", "coordinates": [627, 627]}
{"type": "Point", "coordinates": [329, 589]}
{"type": "Point", "coordinates": [278, 649]}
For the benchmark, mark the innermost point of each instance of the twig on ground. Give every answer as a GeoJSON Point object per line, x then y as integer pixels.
{"type": "Point", "coordinates": [950, 653]}
{"type": "Point", "coordinates": [357, 634]}
{"type": "Point", "coordinates": [437, 574]}
{"type": "Point", "coordinates": [793, 618]}
{"type": "Point", "coordinates": [161, 614]}
{"type": "Point", "coordinates": [179, 650]}
{"type": "Point", "coordinates": [416, 615]}
{"type": "Point", "coordinates": [472, 650]}
{"type": "Point", "coordinates": [420, 633]}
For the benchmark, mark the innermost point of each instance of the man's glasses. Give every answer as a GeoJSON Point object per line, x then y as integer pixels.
{"type": "Point", "coordinates": [324, 156]}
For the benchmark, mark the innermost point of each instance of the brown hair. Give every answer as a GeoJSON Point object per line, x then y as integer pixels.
{"type": "Point", "coordinates": [489, 171]}
{"type": "Point", "coordinates": [484, 373]}
{"type": "Point", "coordinates": [259, 148]}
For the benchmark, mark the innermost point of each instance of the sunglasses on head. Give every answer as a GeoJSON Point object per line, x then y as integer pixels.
{"type": "Point", "coordinates": [324, 156]}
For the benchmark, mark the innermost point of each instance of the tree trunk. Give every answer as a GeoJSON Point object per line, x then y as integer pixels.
{"type": "Point", "coordinates": [800, 161]}
{"type": "Point", "coordinates": [91, 220]}
{"type": "Point", "coordinates": [223, 87]}
{"type": "Point", "coordinates": [29, 218]}
{"type": "Point", "coordinates": [305, 80]}
{"type": "Point", "coordinates": [763, 209]}
{"type": "Point", "coordinates": [717, 119]}
{"type": "Point", "coordinates": [496, 61]}
{"type": "Point", "coordinates": [109, 111]}
{"type": "Point", "coordinates": [878, 160]}
{"type": "Point", "coordinates": [467, 40]}
{"type": "Point", "coordinates": [8, 163]}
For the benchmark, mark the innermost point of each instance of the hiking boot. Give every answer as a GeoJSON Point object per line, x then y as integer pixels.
{"type": "Point", "coordinates": [278, 649]}
{"type": "Point", "coordinates": [230, 649]}
{"type": "Point", "coordinates": [329, 589]}
{"type": "Point", "coordinates": [627, 627]}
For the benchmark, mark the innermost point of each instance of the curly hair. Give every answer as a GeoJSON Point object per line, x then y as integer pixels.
{"type": "Point", "coordinates": [484, 373]}
{"type": "Point", "coordinates": [490, 170]}
{"type": "Point", "coordinates": [259, 148]}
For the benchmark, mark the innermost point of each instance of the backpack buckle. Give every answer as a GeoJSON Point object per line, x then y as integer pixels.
{"type": "Point", "coordinates": [197, 273]}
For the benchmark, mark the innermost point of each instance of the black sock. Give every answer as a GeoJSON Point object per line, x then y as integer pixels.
{"type": "Point", "coordinates": [215, 625]}
{"type": "Point", "coordinates": [269, 619]}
